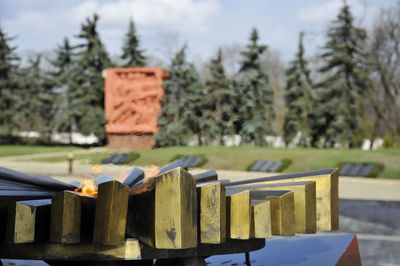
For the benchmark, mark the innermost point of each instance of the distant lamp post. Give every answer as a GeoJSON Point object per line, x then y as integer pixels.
{"type": "Point", "coordinates": [70, 160]}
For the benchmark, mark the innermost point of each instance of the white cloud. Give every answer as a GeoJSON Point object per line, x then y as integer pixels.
{"type": "Point", "coordinates": [171, 15]}
{"type": "Point", "coordinates": [40, 27]}
{"type": "Point", "coordinates": [321, 13]}
{"type": "Point", "coordinates": [205, 24]}
{"type": "Point", "coordinates": [82, 11]}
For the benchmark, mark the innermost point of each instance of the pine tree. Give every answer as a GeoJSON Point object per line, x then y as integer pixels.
{"type": "Point", "coordinates": [254, 107]}
{"type": "Point", "coordinates": [36, 100]}
{"type": "Point", "coordinates": [218, 113]}
{"type": "Point", "coordinates": [87, 85]}
{"type": "Point", "coordinates": [193, 105]}
{"type": "Point", "coordinates": [29, 105]}
{"type": "Point", "coordinates": [181, 105]}
{"type": "Point", "coordinates": [8, 86]}
{"type": "Point", "coordinates": [298, 97]}
{"type": "Point", "coordinates": [60, 78]}
{"type": "Point", "coordinates": [338, 115]}
{"type": "Point", "coordinates": [131, 52]}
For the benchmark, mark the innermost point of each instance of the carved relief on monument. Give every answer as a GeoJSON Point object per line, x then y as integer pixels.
{"type": "Point", "coordinates": [133, 99]}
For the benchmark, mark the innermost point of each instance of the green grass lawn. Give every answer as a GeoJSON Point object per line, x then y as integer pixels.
{"type": "Point", "coordinates": [11, 150]}
{"type": "Point", "coordinates": [303, 159]}
{"type": "Point", "coordinates": [238, 158]}
{"type": "Point", "coordinates": [89, 157]}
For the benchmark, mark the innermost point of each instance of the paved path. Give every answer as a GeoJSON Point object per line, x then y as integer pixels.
{"type": "Point", "coordinates": [42, 155]}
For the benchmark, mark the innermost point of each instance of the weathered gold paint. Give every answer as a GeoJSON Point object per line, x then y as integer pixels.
{"type": "Point", "coordinates": [21, 223]}
{"type": "Point", "coordinates": [304, 203]}
{"type": "Point", "coordinates": [176, 210]}
{"type": "Point", "coordinates": [212, 213]}
{"type": "Point", "coordinates": [261, 218]}
{"type": "Point", "coordinates": [327, 198]}
{"type": "Point", "coordinates": [282, 214]}
{"type": "Point", "coordinates": [128, 250]}
{"type": "Point", "coordinates": [310, 206]}
{"type": "Point", "coordinates": [269, 223]}
{"type": "Point", "coordinates": [65, 223]}
{"type": "Point", "coordinates": [288, 224]}
{"type": "Point", "coordinates": [239, 215]}
{"type": "Point", "coordinates": [111, 212]}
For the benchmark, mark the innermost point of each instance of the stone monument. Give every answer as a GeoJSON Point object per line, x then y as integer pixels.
{"type": "Point", "coordinates": [132, 105]}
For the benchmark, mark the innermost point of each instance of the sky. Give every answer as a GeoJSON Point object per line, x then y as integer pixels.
{"type": "Point", "coordinates": [39, 25]}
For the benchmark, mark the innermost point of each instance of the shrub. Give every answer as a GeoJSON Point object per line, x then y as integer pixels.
{"type": "Point", "coordinates": [248, 168]}
{"type": "Point", "coordinates": [132, 156]}
{"type": "Point", "coordinates": [391, 141]}
{"type": "Point", "coordinates": [285, 164]}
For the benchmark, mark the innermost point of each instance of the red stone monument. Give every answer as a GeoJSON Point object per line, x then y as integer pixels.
{"type": "Point", "coordinates": [132, 104]}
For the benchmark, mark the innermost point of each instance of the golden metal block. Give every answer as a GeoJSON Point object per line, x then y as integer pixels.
{"type": "Point", "coordinates": [28, 221]}
{"type": "Point", "coordinates": [212, 199]}
{"type": "Point", "coordinates": [327, 194]}
{"type": "Point", "coordinates": [261, 218]}
{"type": "Point", "coordinates": [20, 224]}
{"type": "Point", "coordinates": [111, 212]}
{"type": "Point", "coordinates": [282, 210]}
{"type": "Point", "coordinates": [175, 210]}
{"type": "Point", "coordinates": [65, 223]}
{"type": "Point", "coordinates": [239, 214]}
{"type": "Point", "coordinates": [304, 202]}
{"type": "Point", "coordinates": [128, 250]}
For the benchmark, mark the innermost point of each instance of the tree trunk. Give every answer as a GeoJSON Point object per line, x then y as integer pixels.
{"type": "Point", "coordinates": [199, 139]}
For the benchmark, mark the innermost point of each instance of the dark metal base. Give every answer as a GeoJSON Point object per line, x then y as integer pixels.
{"type": "Point", "coordinates": [191, 261]}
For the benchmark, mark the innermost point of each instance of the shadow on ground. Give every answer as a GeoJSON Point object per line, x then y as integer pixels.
{"type": "Point", "coordinates": [377, 225]}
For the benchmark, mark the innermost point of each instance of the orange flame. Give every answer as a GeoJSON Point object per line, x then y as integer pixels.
{"type": "Point", "coordinates": [97, 169]}
{"type": "Point", "coordinates": [149, 178]}
{"type": "Point", "coordinates": [123, 176]}
{"type": "Point", "coordinates": [154, 172]}
{"type": "Point", "coordinates": [147, 184]}
{"type": "Point", "coordinates": [87, 187]}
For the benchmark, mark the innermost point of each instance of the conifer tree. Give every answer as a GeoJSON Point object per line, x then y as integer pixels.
{"type": "Point", "coordinates": [36, 100]}
{"type": "Point", "coordinates": [30, 88]}
{"type": "Point", "coordinates": [131, 52]}
{"type": "Point", "coordinates": [8, 85]}
{"type": "Point", "coordinates": [180, 113]}
{"type": "Point", "coordinates": [298, 97]}
{"type": "Point", "coordinates": [218, 113]}
{"type": "Point", "coordinates": [60, 76]}
{"type": "Point", "coordinates": [193, 104]}
{"type": "Point", "coordinates": [254, 107]}
{"type": "Point", "coordinates": [87, 85]}
{"type": "Point", "coordinates": [338, 115]}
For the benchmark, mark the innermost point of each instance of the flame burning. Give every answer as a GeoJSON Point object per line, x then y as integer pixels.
{"type": "Point", "coordinates": [97, 169]}
{"type": "Point", "coordinates": [149, 178]}
{"type": "Point", "coordinates": [154, 172]}
{"type": "Point", "coordinates": [87, 187]}
{"type": "Point", "coordinates": [123, 176]}
{"type": "Point", "coordinates": [146, 185]}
